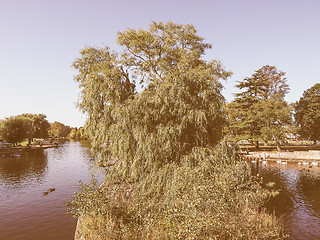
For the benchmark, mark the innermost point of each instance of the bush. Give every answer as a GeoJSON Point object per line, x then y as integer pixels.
{"type": "Point", "coordinates": [210, 195]}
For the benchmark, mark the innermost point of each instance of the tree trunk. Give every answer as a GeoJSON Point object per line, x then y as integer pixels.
{"type": "Point", "coordinates": [278, 145]}
{"type": "Point", "coordinates": [256, 144]}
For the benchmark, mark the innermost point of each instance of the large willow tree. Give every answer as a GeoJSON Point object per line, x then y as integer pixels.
{"type": "Point", "coordinates": [177, 109]}
{"type": "Point", "coordinates": [163, 180]}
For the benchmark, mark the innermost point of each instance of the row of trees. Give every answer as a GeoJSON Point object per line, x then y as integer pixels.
{"type": "Point", "coordinates": [16, 129]}
{"type": "Point", "coordinates": [60, 130]}
{"type": "Point", "coordinates": [77, 133]}
{"type": "Point", "coordinates": [260, 113]}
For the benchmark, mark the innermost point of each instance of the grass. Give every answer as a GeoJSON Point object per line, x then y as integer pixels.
{"type": "Point", "coordinates": [26, 141]}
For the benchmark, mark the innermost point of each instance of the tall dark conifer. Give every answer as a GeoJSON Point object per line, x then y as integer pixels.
{"type": "Point", "coordinates": [260, 112]}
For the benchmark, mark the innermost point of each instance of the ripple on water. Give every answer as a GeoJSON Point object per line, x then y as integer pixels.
{"type": "Point", "coordinates": [24, 212]}
{"type": "Point", "coordinates": [299, 199]}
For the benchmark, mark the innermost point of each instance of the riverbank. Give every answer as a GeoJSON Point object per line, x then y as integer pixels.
{"type": "Point", "coordinates": [20, 149]}
{"type": "Point", "coordinates": [285, 148]}
{"type": "Point", "coordinates": [295, 156]}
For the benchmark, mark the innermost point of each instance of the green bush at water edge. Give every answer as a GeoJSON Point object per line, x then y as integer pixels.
{"type": "Point", "coordinates": [214, 198]}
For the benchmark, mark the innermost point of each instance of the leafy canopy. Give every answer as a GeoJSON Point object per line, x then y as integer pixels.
{"type": "Point", "coordinates": [58, 129]}
{"type": "Point", "coordinates": [307, 113]}
{"type": "Point", "coordinates": [178, 108]}
{"type": "Point", "coordinates": [27, 125]}
{"type": "Point", "coordinates": [39, 125]}
{"type": "Point", "coordinates": [15, 129]}
{"type": "Point", "coordinates": [260, 112]}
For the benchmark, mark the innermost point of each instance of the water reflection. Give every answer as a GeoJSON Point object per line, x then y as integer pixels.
{"type": "Point", "coordinates": [30, 166]}
{"type": "Point", "coordinates": [298, 201]}
{"type": "Point", "coordinates": [25, 213]}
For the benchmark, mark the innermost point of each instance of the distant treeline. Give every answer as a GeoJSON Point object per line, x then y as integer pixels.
{"type": "Point", "coordinates": [16, 129]}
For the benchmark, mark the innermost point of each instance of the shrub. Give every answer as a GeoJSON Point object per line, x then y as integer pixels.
{"type": "Point", "coordinates": [210, 195]}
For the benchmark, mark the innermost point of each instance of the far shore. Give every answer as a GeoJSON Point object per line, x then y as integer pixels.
{"type": "Point", "coordinates": [20, 149]}
{"type": "Point", "coordinates": [284, 148]}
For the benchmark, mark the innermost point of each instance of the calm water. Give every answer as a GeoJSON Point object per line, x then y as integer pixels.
{"type": "Point", "coordinates": [299, 199]}
{"type": "Point", "coordinates": [24, 212]}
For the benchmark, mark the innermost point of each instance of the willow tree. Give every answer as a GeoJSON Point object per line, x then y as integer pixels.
{"type": "Point", "coordinates": [163, 178]}
{"type": "Point", "coordinates": [178, 108]}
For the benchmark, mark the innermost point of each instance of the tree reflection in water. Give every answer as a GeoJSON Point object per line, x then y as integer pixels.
{"type": "Point", "coordinates": [18, 171]}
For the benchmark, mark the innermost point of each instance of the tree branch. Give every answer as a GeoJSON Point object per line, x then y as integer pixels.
{"type": "Point", "coordinates": [149, 63]}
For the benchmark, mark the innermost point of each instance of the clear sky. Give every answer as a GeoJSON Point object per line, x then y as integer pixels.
{"type": "Point", "coordinates": [40, 39]}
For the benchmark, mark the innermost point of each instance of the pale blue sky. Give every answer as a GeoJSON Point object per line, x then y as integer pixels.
{"type": "Point", "coordinates": [40, 39]}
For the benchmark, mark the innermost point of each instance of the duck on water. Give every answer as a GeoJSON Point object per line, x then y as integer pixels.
{"type": "Point", "coordinates": [49, 191]}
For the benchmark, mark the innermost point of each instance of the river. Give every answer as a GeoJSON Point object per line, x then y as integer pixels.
{"type": "Point", "coordinates": [298, 201]}
{"type": "Point", "coordinates": [25, 213]}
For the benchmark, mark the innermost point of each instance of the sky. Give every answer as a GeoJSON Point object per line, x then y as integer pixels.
{"type": "Point", "coordinates": [40, 39]}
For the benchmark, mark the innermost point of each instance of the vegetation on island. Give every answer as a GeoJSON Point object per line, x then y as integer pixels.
{"type": "Point", "coordinates": [168, 172]}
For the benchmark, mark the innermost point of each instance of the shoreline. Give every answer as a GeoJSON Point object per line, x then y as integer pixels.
{"type": "Point", "coordinates": [20, 149]}
{"type": "Point", "coordinates": [295, 156]}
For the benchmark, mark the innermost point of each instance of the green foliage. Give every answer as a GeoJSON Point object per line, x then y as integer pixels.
{"type": "Point", "coordinates": [275, 114]}
{"type": "Point", "coordinates": [179, 107]}
{"type": "Point", "coordinates": [15, 129]}
{"type": "Point", "coordinates": [27, 125]}
{"type": "Point", "coordinates": [260, 111]}
{"type": "Point", "coordinates": [307, 113]}
{"type": "Point", "coordinates": [163, 180]}
{"type": "Point", "coordinates": [40, 125]}
{"type": "Point", "coordinates": [77, 134]}
{"type": "Point", "coordinates": [210, 195]}
{"type": "Point", "coordinates": [58, 129]}
{"type": "Point", "coordinates": [72, 133]}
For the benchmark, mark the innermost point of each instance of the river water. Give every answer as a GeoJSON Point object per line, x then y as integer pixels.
{"type": "Point", "coordinates": [298, 201]}
{"type": "Point", "coordinates": [25, 213]}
